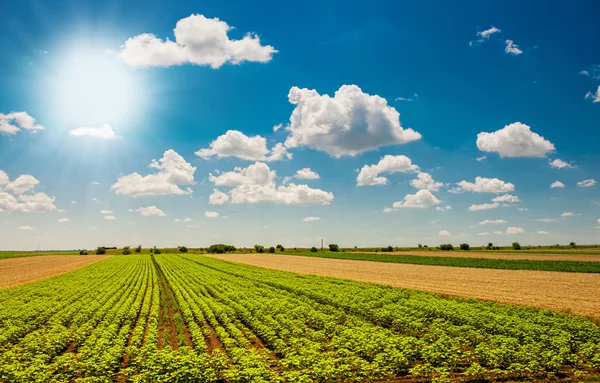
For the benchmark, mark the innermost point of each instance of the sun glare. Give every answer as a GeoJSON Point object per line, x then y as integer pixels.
{"type": "Point", "coordinates": [91, 88]}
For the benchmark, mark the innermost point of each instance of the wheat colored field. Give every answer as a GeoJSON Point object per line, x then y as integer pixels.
{"type": "Point", "coordinates": [17, 271]}
{"type": "Point", "coordinates": [499, 255]}
{"type": "Point", "coordinates": [575, 293]}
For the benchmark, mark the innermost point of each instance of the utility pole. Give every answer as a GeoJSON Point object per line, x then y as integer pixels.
{"type": "Point", "coordinates": [321, 243]}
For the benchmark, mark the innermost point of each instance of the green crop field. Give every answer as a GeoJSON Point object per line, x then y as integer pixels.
{"type": "Point", "coordinates": [486, 263]}
{"type": "Point", "coordinates": [23, 254]}
{"type": "Point", "coordinates": [189, 318]}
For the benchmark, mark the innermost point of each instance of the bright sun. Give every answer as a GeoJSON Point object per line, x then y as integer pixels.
{"type": "Point", "coordinates": [94, 88]}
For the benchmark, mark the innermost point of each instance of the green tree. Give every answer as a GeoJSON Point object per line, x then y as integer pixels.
{"type": "Point", "coordinates": [138, 249]}
{"type": "Point", "coordinates": [83, 252]}
{"type": "Point", "coordinates": [447, 247]}
{"type": "Point", "coordinates": [126, 250]}
{"type": "Point", "coordinates": [182, 249]}
{"type": "Point", "coordinates": [313, 249]}
{"type": "Point", "coordinates": [271, 250]}
{"type": "Point", "coordinates": [100, 250]}
{"type": "Point", "coordinates": [333, 247]}
{"type": "Point", "coordinates": [465, 246]}
{"type": "Point", "coordinates": [516, 246]}
{"type": "Point", "coordinates": [259, 248]}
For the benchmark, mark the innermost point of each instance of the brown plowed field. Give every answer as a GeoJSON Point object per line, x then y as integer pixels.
{"type": "Point", "coordinates": [499, 255]}
{"type": "Point", "coordinates": [18, 271]}
{"type": "Point", "coordinates": [576, 293]}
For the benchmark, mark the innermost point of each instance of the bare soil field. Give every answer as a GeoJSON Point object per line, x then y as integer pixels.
{"type": "Point", "coordinates": [575, 293]}
{"type": "Point", "coordinates": [499, 255]}
{"type": "Point", "coordinates": [18, 271]}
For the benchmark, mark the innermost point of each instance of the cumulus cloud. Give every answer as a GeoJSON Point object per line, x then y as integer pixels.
{"type": "Point", "coordinates": [104, 211]}
{"type": "Point", "coordinates": [587, 183]}
{"type": "Point", "coordinates": [421, 199]}
{"type": "Point", "coordinates": [105, 132]}
{"type": "Point", "coordinates": [14, 122]}
{"type": "Point", "coordinates": [542, 232]}
{"type": "Point", "coordinates": [63, 220]}
{"type": "Point", "coordinates": [369, 175]}
{"type": "Point", "coordinates": [514, 230]}
{"type": "Point", "coordinates": [14, 199]}
{"type": "Point", "coordinates": [484, 233]}
{"type": "Point", "coordinates": [173, 170]}
{"type": "Point", "coordinates": [481, 158]}
{"type": "Point", "coordinates": [445, 233]}
{"type": "Point", "coordinates": [484, 185]}
{"type": "Point", "coordinates": [26, 228]}
{"type": "Point", "coordinates": [443, 208]}
{"type": "Point", "coordinates": [110, 217]}
{"type": "Point", "coordinates": [198, 41]}
{"type": "Point", "coordinates": [218, 197]}
{"type": "Point", "coordinates": [484, 206]}
{"type": "Point", "coordinates": [493, 221]}
{"type": "Point", "coordinates": [425, 181]}
{"type": "Point", "coordinates": [559, 164]}
{"type": "Point", "coordinates": [183, 220]}
{"type": "Point", "coordinates": [512, 48]}
{"type": "Point", "coordinates": [349, 123]}
{"type": "Point", "coordinates": [256, 184]}
{"type": "Point", "coordinates": [595, 97]}
{"type": "Point", "coordinates": [211, 214]}
{"type": "Point", "coordinates": [306, 174]}
{"type": "Point", "coordinates": [150, 211]}
{"type": "Point", "coordinates": [387, 210]}
{"type": "Point", "coordinates": [557, 184]}
{"type": "Point", "coordinates": [236, 144]}
{"type": "Point", "coordinates": [311, 219]}
{"type": "Point", "coordinates": [507, 198]}
{"type": "Point", "coordinates": [546, 220]}
{"type": "Point", "coordinates": [22, 184]}
{"type": "Point", "coordinates": [514, 140]}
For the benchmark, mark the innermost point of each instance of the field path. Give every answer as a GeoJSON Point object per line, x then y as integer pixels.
{"type": "Point", "coordinates": [493, 255]}
{"type": "Point", "coordinates": [18, 271]}
{"type": "Point", "coordinates": [577, 293]}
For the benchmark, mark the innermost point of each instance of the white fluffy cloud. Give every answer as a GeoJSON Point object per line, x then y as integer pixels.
{"type": "Point", "coordinates": [445, 233]}
{"type": "Point", "coordinates": [236, 144]}
{"type": "Point", "coordinates": [256, 184]}
{"type": "Point", "coordinates": [542, 232]}
{"type": "Point", "coordinates": [557, 184]}
{"type": "Point", "coordinates": [443, 208]}
{"type": "Point", "coordinates": [63, 220]}
{"type": "Point", "coordinates": [13, 199]}
{"type": "Point", "coordinates": [218, 197]}
{"type": "Point", "coordinates": [110, 217]}
{"type": "Point", "coordinates": [484, 206]}
{"type": "Point", "coordinates": [369, 175]}
{"type": "Point", "coordinates": [484, 35]}
{"type": "Point", "coordinates": [595, 97]}
{"type": "Point", "coordinates": [105, 132]}
{"type": "Point", "coordinates": [425, 181]}
{"type": "Point", "coordinates": [559, 164]}
{"type": "Point", "coordinates": [514, 140]}
{"type": "Point", "coordinates": [14, 122]}
{"type": "Point", "coordinates": [421, 199]}
{"type": "Point", "coordinates": [150, 211]}
{"type": "Point", "coordinates": [507, 198]}
{"type": "Point", "coordinates": [211, 214]}
{"type": "Point", "coordinates": [485, 185]}
{"type": "Point", "coordinates": [183, 220]}
{"type": "Point", "coordinates": [306, 174]}
{"type": "Point", "coordinates": [493, 221]}
{"type": "Point", "coordinates": [512, 48]}
{"type": "Point", "coordinates": [173, 170]}
{"type": "Point", "coordinates": [587, 183]}
{"type": "Point", "coordinates": [311, 219]}
{"type": "Point", "coordinates": [198, 41]}
{"type": "Point", "coordinates": [22, 184]}
{"type": "Point", "coordinates": [26, 228]}
{"type": "Point", "coordinates": [349, 123]}
{"type": "Point", "coordinates": [514, 230]}
{"type": "Point", "coordinates": [104, 211]}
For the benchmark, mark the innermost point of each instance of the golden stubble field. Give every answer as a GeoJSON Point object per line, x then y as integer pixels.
{"type": "Point", "coordinates": [577, 293]}
{"type": "Point", "coordinates": [494, 255]}
{"type": "Point", "coordinates": [17, 271]}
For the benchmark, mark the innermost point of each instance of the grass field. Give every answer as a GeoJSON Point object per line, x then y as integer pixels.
{"type": "Point", "coordinates": [487, 263]}
{"type": "Point", "coordinates": [25, 254]}
{"type": "Point", "coordinates": [190, 318]}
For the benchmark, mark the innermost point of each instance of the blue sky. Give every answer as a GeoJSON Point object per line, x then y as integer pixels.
{"type": "Point", "coordinates": [94, 92]}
